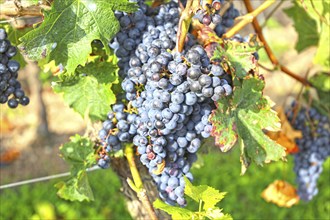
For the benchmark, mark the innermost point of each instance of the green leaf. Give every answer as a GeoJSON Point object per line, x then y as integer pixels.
{"type": "Point", "coordinates": [69, 28]}
{"type": "Point", "coordinates": [90, 93]}
{"type": "Point", "coordinates": [259, 146]}
{"type": "Point", "coordinates": [321, 82]}
{"type": "Point", "coordinates": [216, 213]}
{"type": "Point", "coordinates": [318, 10]}
{"type": "Point", "coordinates": [244, 117]}
{"type": "Point", "coordinates": [312, 22]}
{"type": "Point", "coordinates": [207, 194]}
{"type": "Point", "coordinates": [237, 57]}
{"type": "Point", "coordinates": [79, 153]}
{"type": "Point", "coordinates": [13, 36]}
{"type": "Point", "coordinates": [175, 212]}
{"type": "Point", "coordinates": [203, 194]}
{"type": "Point", "coordinates": [305, 26]}
{"type": "Point", "coordinates": [76, 188]}
{"type": "Point", "coordinates": [322, 56]}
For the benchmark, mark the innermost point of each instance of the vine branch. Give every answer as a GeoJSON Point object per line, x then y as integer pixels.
{"type": "Point", "coordinates": [11, 9]}
{"type": "Point", "coordinates": [271, 13]}
{"type": "Point", "coordinates": [248, 18]}
{"type": "Point", "coordinates": [136, 184]}
{"type": "Point", "coordinates": [269, 52]}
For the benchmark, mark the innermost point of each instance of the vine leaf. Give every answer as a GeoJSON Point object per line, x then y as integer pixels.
{"type": "Point", "coordinates": [305, 26]}
{"type": "Point", "coordinates": [175, 212]}
{"type": "Point", "coordinates": [79, 153]}
{"type": "Point", "coordinates": [216, 213]}
{"type": "Point", "coordinates": [321, 82]}
{"type": "Point", "coordinates": [207, 194]}
{"type": "Point", "coordinates": [322, 56]}
{"type": "Point", "coordinates": [237, 57]}
{"type": "Point", "coordinates": [202, 194]}
{"type": "Point", "coordinates": [90, 93]}
{"type": "Point", "coordinates": [321, 14]}
{"type": "Point", "coordinates": [281, 193]}
{"type": "Point", "coordinates": [244, 116]}
{"type": "Point", "coordinates": [287, 135]}
{"type": "Point", "coordinates": [69, 28]}
{"type": "Point", "coordinates": [312, 23]}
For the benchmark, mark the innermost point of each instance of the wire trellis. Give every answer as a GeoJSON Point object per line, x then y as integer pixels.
{"type": "Point", "coordinates": [40, 179]}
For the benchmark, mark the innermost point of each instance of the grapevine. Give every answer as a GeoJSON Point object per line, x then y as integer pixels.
{"type": "Point", "coordinates": [157, 81]}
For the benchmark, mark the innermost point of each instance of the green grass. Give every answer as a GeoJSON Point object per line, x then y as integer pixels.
{"type": "Point", "coordinates": [30, 201]}
{"type": "Point", "coordinates": [243, 200]}
{"type": "Point", "coordinates": [221, 171]}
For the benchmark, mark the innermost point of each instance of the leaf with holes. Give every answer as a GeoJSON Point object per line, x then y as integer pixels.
{"type": "Point", "coordinates": [69, 28]}
{"type": "Point", "coordinates": [243, 117]}
{"type": "Point", "coordinates": [90, 93]}
{"type": "Point", "coordinates": [237, 57]}
{"type": "Point", "coordinates": [79, 153]}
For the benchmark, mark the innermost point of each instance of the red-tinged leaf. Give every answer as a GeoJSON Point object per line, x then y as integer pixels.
{"type": "Point", "coordinates": [224, 129]}
{"type": "Point", "coordinates": [244, 116]}
{"type": "Point", "coordinates": [237, 57]}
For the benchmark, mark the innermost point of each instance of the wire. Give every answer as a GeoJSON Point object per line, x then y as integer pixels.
{"type": "Point", "coordinates": [40, 179]}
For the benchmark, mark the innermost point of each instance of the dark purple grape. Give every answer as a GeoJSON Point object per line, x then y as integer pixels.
{"type": "Point", "coordinates": [12, 103]}
{"type": "Point", "coordinates": [24, 100]}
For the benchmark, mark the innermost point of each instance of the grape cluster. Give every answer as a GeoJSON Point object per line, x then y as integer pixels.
{"type": "Point", "coordinates": [173, 94]}
{"type": "Point", "coordinates": [132, 27]}
{"type": "Point", "coordinates": [9, 85]}
{"type": "Point", "coordinates": [314, 148]}
{"type": "Point", "coordinates": [119, 128]}
{"type": "Point", "coordinates": [209, 15]}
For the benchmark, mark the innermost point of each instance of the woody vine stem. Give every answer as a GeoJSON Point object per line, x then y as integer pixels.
{"type": "Point", "coordinates": [269, 52]}
{"type": "Point", "coordinates": [136, 184]}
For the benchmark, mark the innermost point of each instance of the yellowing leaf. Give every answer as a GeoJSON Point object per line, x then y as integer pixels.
{"type": "Point", "coordinates": [281, 193]}
{"type": "Point", "coordinates": [287, 135]}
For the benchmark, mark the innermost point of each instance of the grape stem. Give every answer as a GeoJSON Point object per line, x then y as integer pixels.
{"type": "Point", "coordinates": [272, 13]}
{"type": "Point", "coordinates": [184, 23]}
{"type": "Point", "coordinates": [269, 52]}
{"type": "Point", "coordinates": [136, 184]}
{"type": "Point", "coordinates": [248, 18]}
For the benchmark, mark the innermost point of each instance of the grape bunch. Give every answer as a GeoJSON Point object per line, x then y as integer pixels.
{"type": "Point", "coordinates": [210, 15]}
{"type": "Point", "coordinates": [119, 128]}
{"type": "Point", "coordinates": [173, 94]}
{"type": "Point", "coordinates": [10, 88]}
{"type": "Point", "coordinates": [314, 148]}
{"type": "Point", "coordinates": [132, 27]}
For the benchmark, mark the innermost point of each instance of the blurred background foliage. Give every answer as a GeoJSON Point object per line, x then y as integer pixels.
{"type": "Point", "coordinates": [243, 200]}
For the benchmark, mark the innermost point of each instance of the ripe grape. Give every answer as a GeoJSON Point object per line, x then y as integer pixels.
{"type": "Point", "coordinates": [10, 88]}
{"type": "Point", "coordinates": [314, 148]}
